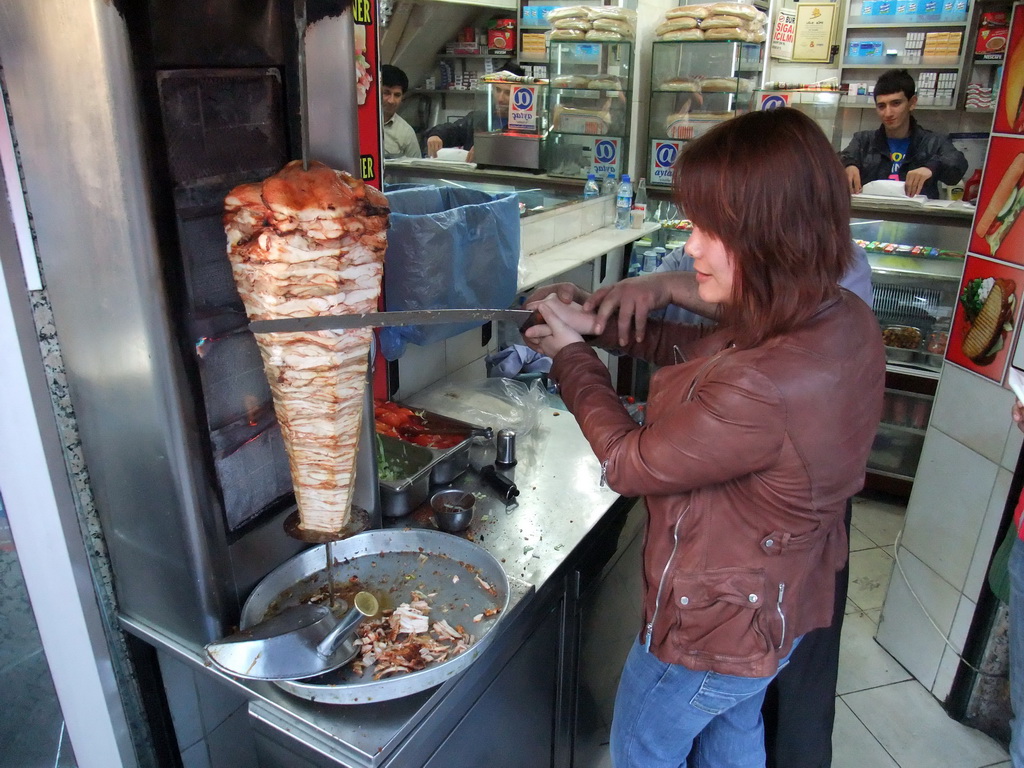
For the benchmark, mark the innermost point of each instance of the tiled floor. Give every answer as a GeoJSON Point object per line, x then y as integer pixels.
{"type": "Point", "coordinates": [885, 718]}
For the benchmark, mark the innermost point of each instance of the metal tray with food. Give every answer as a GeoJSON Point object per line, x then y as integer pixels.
{"type": "Point", "coordinates": [446, 438]}
{"type": "Point", "coordinates": [463, 585]}
{"type": "Point", "coordinates": [403, 475]}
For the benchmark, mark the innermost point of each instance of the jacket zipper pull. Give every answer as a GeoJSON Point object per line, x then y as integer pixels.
{"type": "Point", "coordinates": [778, 607]}
{"type": "Point", "coordinates": [604, 473]}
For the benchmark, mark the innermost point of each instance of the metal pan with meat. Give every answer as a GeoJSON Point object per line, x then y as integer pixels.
{"type": "Point", "coordinates": [447, 592]}
{"type": "Point", "coordinates": [448, 439]}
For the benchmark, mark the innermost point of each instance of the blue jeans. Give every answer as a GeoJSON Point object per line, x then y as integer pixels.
{"type": "Point", "coordinates": [1017, 654]}
{"type": "Point", "coordinates": [661, 709]}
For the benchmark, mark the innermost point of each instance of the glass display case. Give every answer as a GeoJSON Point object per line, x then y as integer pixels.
{"type": "Point", "coordinates": [695, 84]}
{"type": "Point", "coordinates": [915, 275]}
{"type": "Point", "coordinates": [820, 104]}
{"type": "Point", "coordinates": [509, 121]}
{"type": "Point", "coordinates": [588, 105]}
{"type": "Point", "coordinates": [916, 264]}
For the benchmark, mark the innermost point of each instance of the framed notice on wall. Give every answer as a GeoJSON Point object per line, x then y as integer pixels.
{"type": "Point", "coordinates": [815, 30]}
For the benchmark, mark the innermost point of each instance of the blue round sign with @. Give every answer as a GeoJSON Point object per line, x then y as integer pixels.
{"type": "Point", "coordinates": [604, 151]}
{"type": "Point", "coordinates": [523, 98]}
{"type": "Point", "coordinates": [772, 102]}
{"type": "Point", "coordinates": [665, 155]}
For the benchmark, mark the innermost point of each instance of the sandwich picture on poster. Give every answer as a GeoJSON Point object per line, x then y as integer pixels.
{"type": "Point", "coordinates": [1009, 116]}
{"type": "Point", "coordinates": [986, 311]}
{"type": "Point", "coordinates": [998, 230]}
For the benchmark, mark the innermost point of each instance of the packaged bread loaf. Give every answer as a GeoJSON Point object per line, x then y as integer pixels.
{"type": "Point", "coordinates": [724, 85]}
{"type": "Point", "coordinates": [673, 24]}
{"type": "Point", "coordinates": [727, 33]}
{"type": "Point", "coordinates": [568, 34]}
{"type": "Point", "coordinates": [583, 25]}
{"type": "Point", "coordinates": [723, 22]}
{"type": "Point", "coordinates": [734, 9]}
{"type": "Point", "coordinates": [688, 11]}
{"type": "Point", "coordinates": [574, 120]}
{"type": "Point", "coordinates": [601, 36]}
{"type": "Point", "coordinates": [682, 34]}
{"type": "Point", "coordinates": [612, 25]}
{"type": "Point", "coordinates": [681, 84]}
{"type": "Point", "coordinates": [569, 12]}
{"type": "Point", "coordinates": [611, 12]}
{"type": "Point", "coordinates": [569, 81]}
{"type": "Point", "coordinates": [605, 83]}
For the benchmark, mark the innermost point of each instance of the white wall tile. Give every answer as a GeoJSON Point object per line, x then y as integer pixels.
{"type": "Point", "coordinates": [1011, 451]}
{"type": "Point", "coordinates": [973, 411]}
{"type": "Point", "coordinates": [419, 367]}
{"type": "Point", "coordinates": [987, 536]}
{"type": "Point", "coordinates": [536, 235]}
{"type": "Point", "coordinates": [950, 657]}
{"type": "Point", "coordinates": [463, 349]}
{"type": "Point", "coordinates": [217, 701]}
{"type": "Point", "coordinates": [196, 756]}
{"type": "Point", "coordinates": [182, 700]}
{"type": "Point", "coordinates": [905, 631]}
{"type": "Point", "coordinates": [233, 744]}
{"type": "Point", "coordinates": [863, 663]}
{"type": "Point", "coordinates": [947, 506]}
{"type": "Point", "coordinates": [853, 746]}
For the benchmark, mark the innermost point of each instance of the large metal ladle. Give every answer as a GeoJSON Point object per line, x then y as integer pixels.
{"type": "Point", "coordinates": [299, 642]}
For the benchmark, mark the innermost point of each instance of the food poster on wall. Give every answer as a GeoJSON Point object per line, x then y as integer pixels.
{"type": "Point", "coordinates": [997, 229]}
{"type": "Point", "coordinates": [985, 317]}
{"type": "Point", "coordinates": [370, 126]}
{"type": "Point", "coordinates": [367, 74]}
{"type": "Point", "coordinates": [1009, 117]}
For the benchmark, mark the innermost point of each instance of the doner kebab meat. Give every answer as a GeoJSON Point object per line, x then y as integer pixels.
{"type": "Point", "coordinates": [305, 243]}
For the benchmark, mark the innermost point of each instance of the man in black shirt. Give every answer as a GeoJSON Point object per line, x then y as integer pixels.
{"type": "Point", "coordinates": [901, 149]}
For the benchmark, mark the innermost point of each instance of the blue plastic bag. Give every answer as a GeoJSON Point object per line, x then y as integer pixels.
{"type": "Point", "coordinates": [448, 248]}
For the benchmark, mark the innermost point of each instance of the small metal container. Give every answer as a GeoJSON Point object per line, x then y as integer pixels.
{"type": "Point", "coordinates": [409, 484]}
{"type": "Point", "coordinates": [453, 509]}
{"type": "Point", "coordinates": [506, 454]}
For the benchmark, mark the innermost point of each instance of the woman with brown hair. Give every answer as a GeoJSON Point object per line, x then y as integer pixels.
{"type": "Point", "coordinates": [756, 435]}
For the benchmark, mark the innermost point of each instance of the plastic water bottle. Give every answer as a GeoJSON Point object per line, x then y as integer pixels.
{"type": "Point", "coordinates": [609, 185]}
{"type": "Point", "coordinates": [639, 212]}
{"type": "Point", "coordinates": [590, 189]}
{"type": "Point", "coordinates": [623, 203]}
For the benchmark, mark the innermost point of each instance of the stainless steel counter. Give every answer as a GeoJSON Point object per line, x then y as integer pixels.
{"type": "Point", "coordinates": [561, 502]}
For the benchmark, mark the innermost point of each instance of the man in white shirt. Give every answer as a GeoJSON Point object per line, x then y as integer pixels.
{"type": "Point", "coordinates": [399, 137]}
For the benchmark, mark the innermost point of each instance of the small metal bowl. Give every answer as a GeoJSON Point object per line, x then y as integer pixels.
{"type": "Point", "coordinates": [453, 509]}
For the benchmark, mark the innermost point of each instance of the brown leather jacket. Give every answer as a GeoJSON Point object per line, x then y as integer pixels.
{"type": "Point", "coordinates": [745, 462]}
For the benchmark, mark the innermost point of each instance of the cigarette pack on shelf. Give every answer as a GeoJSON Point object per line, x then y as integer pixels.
{"type": "Point", "coordinates": [913, 48]}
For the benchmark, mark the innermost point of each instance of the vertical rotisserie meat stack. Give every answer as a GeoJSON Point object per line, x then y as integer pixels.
{"type": "Point", "coordinates": [304, 243]}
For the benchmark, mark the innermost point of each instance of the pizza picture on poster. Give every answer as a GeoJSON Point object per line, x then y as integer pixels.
{"type": "Point", "coordinates": [1009, 117]}
{"type": "Point", "coordinates": [986, 314]}
{"type": "Point", "coordinates": [998, 229]}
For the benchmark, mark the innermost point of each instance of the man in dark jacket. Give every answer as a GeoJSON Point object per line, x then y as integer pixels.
{"type": "Point", "coordinates": [900, 148]}
{"type": "Point", "coordinates": [459, 133]}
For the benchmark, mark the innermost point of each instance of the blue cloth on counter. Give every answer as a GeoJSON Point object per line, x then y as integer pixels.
{"type": "Point", "coordinates": [516, 359]}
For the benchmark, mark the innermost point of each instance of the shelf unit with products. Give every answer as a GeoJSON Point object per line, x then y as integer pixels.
{"type": "Point", "coordinates": [926, 37]}
{"type": "Point", "coordinates": [989, 34]}
{"type": "Point", "coordinates": [695, 84]}
{"type": "Point", "coordinates": [589, 101]}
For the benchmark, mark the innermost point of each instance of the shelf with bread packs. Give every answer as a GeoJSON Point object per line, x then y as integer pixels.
{"type": "Point", "coordinates": [705, 64]}
{"type": "Point", "coordinates": [589, 99]}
